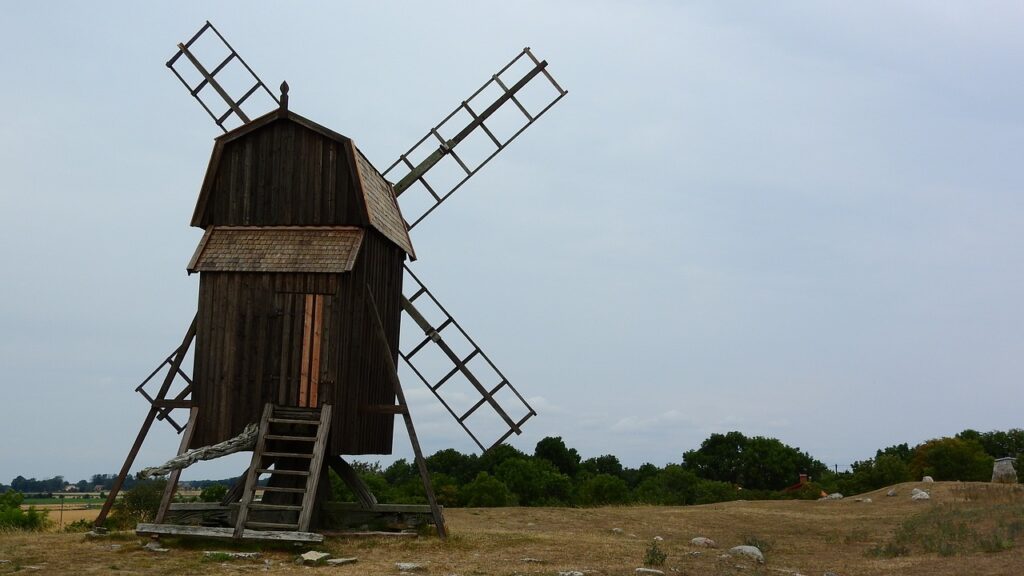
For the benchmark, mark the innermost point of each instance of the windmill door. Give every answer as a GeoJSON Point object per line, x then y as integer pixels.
{"type": "Point", "coordinates": [303, 379]}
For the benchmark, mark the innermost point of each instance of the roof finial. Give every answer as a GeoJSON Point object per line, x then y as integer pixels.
{"type": "Point", "coordinates": [284, 95]}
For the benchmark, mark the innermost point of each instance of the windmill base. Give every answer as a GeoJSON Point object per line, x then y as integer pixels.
{"type": "Point", "coordinates": [333, 516]}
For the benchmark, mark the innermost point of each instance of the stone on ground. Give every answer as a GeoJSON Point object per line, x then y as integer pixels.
{"type": "Point", "coordinates": [408, 566]}
{"type": "Point", "coordinates": [891, 492]}
{"type": "Point", "coordinates": [312, 557]}
{"type": "Point", "coordinates": [921, 495]}
{"type": "Point", "coordinates": [648, 571]}
{"type": "Point", "coordinates": [154, 546]}
{"type": "Point", "coordinates": [341, 561]}
{"type": "Point", "coordinates": [704, 542]}
{"type": "Point", "coordinates": [752, 552]}
{"type": "Point", "coordinates": [927, 479]}
{"type": "Point", "coordinates": [232, 555]}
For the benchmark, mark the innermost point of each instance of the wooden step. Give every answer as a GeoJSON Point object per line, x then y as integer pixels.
{"type": "Point", "coordinates": [294, 421]}
{"type": "Point", "coordinates": [286, 455]}
{"type": "Point", "coordinates": [217, 532]}
{"type": "Point", "coordinates": [262, 506]}
{"type": "Point", "coordinates": [282, 489]}
{"type": "Point", "coordinates": [284, 472]}
{"type": "Point", "coordinates": [291, 438]}
{"type": "Point", "coordinates": [271, 525]}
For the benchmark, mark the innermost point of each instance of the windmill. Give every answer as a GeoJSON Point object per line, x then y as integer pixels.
{"type": "Point", "coordinates": [304, 283]}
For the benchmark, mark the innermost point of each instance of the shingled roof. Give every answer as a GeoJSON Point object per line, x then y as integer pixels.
{"type": "Point", "coordinates": [277, 249]}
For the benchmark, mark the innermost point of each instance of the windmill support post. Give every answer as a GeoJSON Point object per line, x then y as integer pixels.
{"type": "Point", "coordinates": [392, 371]}
{"type": "Point", "coordinates": [154, 411]}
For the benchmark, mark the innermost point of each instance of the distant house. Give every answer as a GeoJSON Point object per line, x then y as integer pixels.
{"type": "Point", "coordinates": [71, 488]}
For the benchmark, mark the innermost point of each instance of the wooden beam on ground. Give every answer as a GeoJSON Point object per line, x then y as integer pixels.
{"type": "Point", "coordinates": [226, 533]}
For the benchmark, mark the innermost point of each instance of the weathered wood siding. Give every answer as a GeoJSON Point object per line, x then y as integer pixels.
{"type": "Point", "coordinates": [283, 174]}
{"type": "Point", "coordinates": [250, 328]}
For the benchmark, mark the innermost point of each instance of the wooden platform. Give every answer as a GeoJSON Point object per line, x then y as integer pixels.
{"type": "Point", "coordinates": [225, 533]}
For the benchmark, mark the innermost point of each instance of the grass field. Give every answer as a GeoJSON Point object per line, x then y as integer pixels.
{"type": "Point", "coordinates": [966, 528]}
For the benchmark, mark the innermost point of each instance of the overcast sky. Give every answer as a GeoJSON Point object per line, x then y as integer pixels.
{"type": "Point", "coordinates": [799, 220]}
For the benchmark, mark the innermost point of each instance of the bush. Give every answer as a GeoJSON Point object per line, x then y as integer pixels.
{"type": "Point", "coordinates": [654, 555]}
{"type": "Point", "coordinates": [13, 517]}
{"type": "Point", "coordinates": [603, 489]}
{"type": "Point", "coordinates": [535, 481]}
{"type": "Point", "coordinates": [952, 459]}
{"type": "Point", "coordinates": [213, 493]}
{"type": "Point", "coordinates": [140, 504]}
{"type": "Point", "coordinates": [486, 491]}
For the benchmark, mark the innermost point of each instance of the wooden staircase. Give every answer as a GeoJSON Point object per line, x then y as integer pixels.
{"type": "Point", "coordinates": [290, 448]}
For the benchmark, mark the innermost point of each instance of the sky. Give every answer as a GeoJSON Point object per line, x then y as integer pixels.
{"type": "Point", "coordinates": [794, 219]}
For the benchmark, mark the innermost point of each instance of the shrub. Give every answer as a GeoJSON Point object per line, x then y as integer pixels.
{"type": "Point", "coordinates": [486, 491]}
{"type": "Point", "coordinates": [654, 556]}
{"type": "Point", "coordinates": [140, 504]}
{"type": "Point", "coordinates": [952, 459]}
{"type": "Point", "coordinates": [13, 517]}
{"type": "Point", "coordinates": [603, 489]}
{"type": "Point", "coordinates": [213, 493]}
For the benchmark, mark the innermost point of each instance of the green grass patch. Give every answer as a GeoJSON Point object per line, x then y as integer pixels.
{"type": "Point", "coordinates": [958, 529]}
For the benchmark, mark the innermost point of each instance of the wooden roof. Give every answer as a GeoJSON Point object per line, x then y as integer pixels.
{"type": "Point", "coordinates": [382, 212]}
{"type": "Point", "coordinates": [277, 249]}
{"type": "Point", "coordinates": [381, 204]}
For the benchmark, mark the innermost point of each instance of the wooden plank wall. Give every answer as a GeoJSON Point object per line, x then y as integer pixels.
{"type": "Point", "coordinates": [284, 175]}
{"type": "Point", "coordinates": [249, 334]}
{"type": "Point", "coordinates": [249, 347]}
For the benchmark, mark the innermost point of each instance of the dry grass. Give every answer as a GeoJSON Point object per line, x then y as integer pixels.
{"type": "Point", "coordinates": [806, 537]}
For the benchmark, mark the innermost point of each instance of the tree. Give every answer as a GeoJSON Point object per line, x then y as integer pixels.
{"type": "Point", "coordinates": [554, 450]}
{"type": "Point", "coordinates": [462, 467]}
{"type": "Point", "coordinates": [535, 482]}
{"type": "Point", "coordinates": [486, 491]}
{"type": "Point", "coordinates": [603, 489]}
{"type": "Point", "coordinates": [606, 464]}
{"type": "Point", "coordinates": [952, 459]}
{"type": "Point", "coordinates": [757, 463]}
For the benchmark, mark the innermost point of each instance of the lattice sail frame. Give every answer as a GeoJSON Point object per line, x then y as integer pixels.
{"type": "Point", "coordinates": [210, 78]}
{"type": "Point", "coordinates": [406, 173]}
{"type": "Point", "coordinates": [459, 365]}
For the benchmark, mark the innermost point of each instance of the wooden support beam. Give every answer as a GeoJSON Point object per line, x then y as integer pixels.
{"type": "Point", "coordinates": [172, 479]}
{"type": "Point", "coordinates": [351, 479]}
{"type": "Point", "coordinates": [392, 372]}
{"type": "Point", "coordinates": [179, 356]}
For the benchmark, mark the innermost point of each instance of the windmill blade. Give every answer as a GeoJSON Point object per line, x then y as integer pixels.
{"type": "Point", "coordinates": [237, 83]}
{"type": "Point", "coordinates": [523, 89]}
{"type": "Point", "coordinates": [466, 364]}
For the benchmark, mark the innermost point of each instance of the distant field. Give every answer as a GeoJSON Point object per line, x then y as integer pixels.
{"type": "Point", "coordinates": [966, 528]}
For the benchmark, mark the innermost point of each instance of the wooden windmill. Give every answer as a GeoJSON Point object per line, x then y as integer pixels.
{"type": "Point", "coordinates": [301, 266]}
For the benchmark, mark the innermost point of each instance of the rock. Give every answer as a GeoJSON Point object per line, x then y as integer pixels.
{"type": "Point", "coordinates": [232, 555]}
{"type": "Point", "coordinates": [927, 479]}
{"type": "Point", "coordinates": [832, 496]}
{"type": "Point", "coordinates": [695, 553]}
{"type": "Point", "coordinates": [891, 492]}
{"type": "Point", "coordinates": [922, 495]}
{"type": "Point", "coordinates": [752, 552]}
{"type": "Point", "coordinates": [154, 546]}
{"type": "Point", "coordinates": [1003, 471]}
{"type": "Point", "coordinates": [408, 566]}
{"type": "Point", "coordinates": [617, 530]}
{"type": "Point", "coordinates": [647, 571]}
{"type": "Point", "coordinates": [571, 573]}
{"type": "Point", "coordinates": [658, 538]}
{"type": "Point", "coordinates": [341, 561]}
{"type": "Point", "coordinates": [534, 561]}
{"type": "Point", "coordinates": [864, 500]}
{"type": "Point", "coordinates": [830, 574]}
{"type": "Point", "coordinates": [312, 557]}
{"type": "Point", "coordinates": [704, 542]}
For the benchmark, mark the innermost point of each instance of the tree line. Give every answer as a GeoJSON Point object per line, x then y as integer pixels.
{"type": "Point", "coordinates": [725, 467]}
